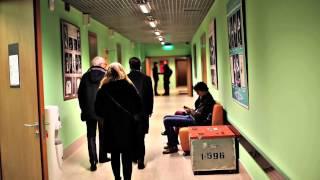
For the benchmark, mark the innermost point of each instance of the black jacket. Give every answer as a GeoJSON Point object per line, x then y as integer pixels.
{"type": "Point", "coordinates": [203, 107]}
{"type": "Point", "coordinates": [87, 91]}
{"type": "Point", "coordinates": [155, 73]}
{"type": "Point", "coordinates": [143, 84]}
{"type": "Point", "coordinates": [118, 126]}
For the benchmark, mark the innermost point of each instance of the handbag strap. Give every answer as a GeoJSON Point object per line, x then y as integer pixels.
{"type": "Point", "coordinates": [118, 105]}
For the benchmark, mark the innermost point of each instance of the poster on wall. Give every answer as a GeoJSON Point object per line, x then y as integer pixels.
{"type": "Point", "coordinates": [237, 51]}
{"type": "Point", "coordinates": [71, 59]}
{"type": "Point", "coordinates": [213, 53]}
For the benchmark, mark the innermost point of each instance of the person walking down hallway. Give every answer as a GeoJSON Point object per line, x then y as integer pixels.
{"type": "Point", "coordinates": [167, 72]}
{"type": "Point", "coordinates": [117, 102]}
{"type": "Point", "coordinates": [88, 88]}
{"type": "Point", "coordinates": [194, 117]}
{"type": "Point", "coordinates": [155, 75]}
{"type": "Point", "coordinates": [144, 86]}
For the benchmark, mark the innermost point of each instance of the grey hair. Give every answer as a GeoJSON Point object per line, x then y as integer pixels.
{"type": "Point", "coordinates": [98, 61]}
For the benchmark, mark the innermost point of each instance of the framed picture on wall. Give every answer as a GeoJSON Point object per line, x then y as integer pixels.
{"type": "Point", "coordinates": [213, 53]}
{"type": "Point", "coordinates": [237, 51]}
{"type": "Point", "coordinates": [195, 60]}
{"type": "Point", "coordinates": [71, 59]}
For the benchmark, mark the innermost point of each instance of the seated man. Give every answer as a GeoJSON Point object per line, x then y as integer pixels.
{"type": "Point", "coordinates": [194, 117]}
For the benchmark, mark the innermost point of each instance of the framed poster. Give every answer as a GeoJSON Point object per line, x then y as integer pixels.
{"type": "Point", "coordinates": [213, 53]}
{"type": "Point", "coordinates": [237, 51]}
{"type": "Point", "coordinates": [71, 59]}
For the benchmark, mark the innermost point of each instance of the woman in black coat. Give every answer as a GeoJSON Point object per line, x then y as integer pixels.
{"type": "Point", "coordinates": [117, 102]}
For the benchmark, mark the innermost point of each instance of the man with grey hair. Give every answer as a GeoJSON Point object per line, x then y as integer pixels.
{"type": "Point", "coordinates": [87, 92]}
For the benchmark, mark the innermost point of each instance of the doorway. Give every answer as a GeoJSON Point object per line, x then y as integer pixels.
{"type": "Point", "coordinates": [22, 148]}
{"type": "Point", "coordinates": [181, 72]}
{"type": "Point", "coordinates": [93, 50]}
{"type": "Point", "coordinates": [203, 58]}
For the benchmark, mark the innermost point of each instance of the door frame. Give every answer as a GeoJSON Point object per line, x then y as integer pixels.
{"type": "Point", "coordinates": [148, 60]}
{"type": "Point", "coordinates": [40, 88]}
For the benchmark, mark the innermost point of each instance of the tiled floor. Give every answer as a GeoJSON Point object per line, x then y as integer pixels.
{"type": "Point", "coordinates": [158, 166]}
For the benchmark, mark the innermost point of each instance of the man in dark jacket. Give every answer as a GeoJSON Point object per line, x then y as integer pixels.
{"type": "Point", "coordinates": [194, 117]}
{"type": "Point", "coordinates": [167, 72]}
{"type": "Point", "coordinates": [88, 88]}
{"type": "Point", "coordinates": [144, 86]}
{"type": "Point", "coordinates": [155, 76]}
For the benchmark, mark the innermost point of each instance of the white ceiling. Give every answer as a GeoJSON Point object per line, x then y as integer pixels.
{"type": "Point", "coordinates": [179, 19]}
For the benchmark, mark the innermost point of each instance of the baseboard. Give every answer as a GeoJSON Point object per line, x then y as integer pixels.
{"type": "Point", "coordinates": [72, 148]}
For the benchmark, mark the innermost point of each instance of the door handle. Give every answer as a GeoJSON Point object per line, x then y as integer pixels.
{"type": "Point", "coordinates": [35, 124]}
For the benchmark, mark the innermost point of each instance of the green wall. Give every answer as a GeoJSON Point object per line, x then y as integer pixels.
{"type": "Point", "coordinates": [72, 127]}
{"type": "Point", "coordinates": [180, 49]}
{"type": "Point", "coordinates": [283, 75]}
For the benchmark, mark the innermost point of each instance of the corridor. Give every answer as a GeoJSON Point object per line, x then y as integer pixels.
{"type": "Point", "coordinates": [158, 166]}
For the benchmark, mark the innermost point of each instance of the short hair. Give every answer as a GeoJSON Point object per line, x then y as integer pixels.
{"type": "Point", "coordinates": [201, 86]}
{"type": "Point", "coordinates": [135, 63]}
{"type": "Point", "coordinates": [98, 61]}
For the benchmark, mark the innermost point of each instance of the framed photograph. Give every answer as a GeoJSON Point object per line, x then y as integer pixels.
{"type": "Point", "coordinates": [213, 53]}
{"type": "Point", "coordinates": [237, 51]}
{"type": "Point", "coordinates": [71, 59]}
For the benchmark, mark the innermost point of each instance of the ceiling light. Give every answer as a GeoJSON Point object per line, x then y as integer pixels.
{"type": "Point", "coordinates": [160, 38]}
{"type": "Point", "coordinates": [162, 42]}
{"type": "Point", "coordinates": [153, 23]}
{"type": "Point", "coordinates": [157, 32]}
{"type": "Point", "coordinates": [145, 7]}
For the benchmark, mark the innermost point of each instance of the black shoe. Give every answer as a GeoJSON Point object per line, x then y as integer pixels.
{"type": "Point", "coordinates": [170, 150]}
{"type": "Point", "coordinates": [166, 147]}
{"type": "Point", "coordinates": [187, 153]}
{"type": "Point", "coordinates": [93, 167]}
{"type": "Point", "coordinates": [104, 160]}
{"type": "Point", "coordinates": [141, 164]}
{"type": "Point", "coordinates": [135, 161]}
{"type": "Point", "coordinates": [164, 133]}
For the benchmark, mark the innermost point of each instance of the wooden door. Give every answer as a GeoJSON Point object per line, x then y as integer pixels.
{"type": "Point", "coordinates": [20, 145]}
{"type": "Point", "coordinates": [181, 72]}
{"type": "Point", "coordinates": [93, 45]}
{"type": "Point", "coordinates": [203, 58]}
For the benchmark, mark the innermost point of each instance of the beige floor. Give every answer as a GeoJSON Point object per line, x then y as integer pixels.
{"type": "Point", "coordinates": [158, 166]}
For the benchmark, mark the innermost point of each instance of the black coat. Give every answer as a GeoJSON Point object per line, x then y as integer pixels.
{"type": "Point", "coordinates": [87, 91]}
{"type": "Point", "coordinates": [143, 84]}
{"type": "Point", "coordinates": [118, 126]}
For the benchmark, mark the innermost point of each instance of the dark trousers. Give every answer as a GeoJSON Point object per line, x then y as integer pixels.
{"type": "Point", "coordinates": [126, 165]}
{"type": "Point", "coordinates": [91, 137]}
{"type": "Point", "coordinates": [166, 88]}
{"type": "Point", "coordinates": [139, 150]}
{"type": "Point", "coordinates": [155, 87]}
{"type": "Point", "coordinates": [176, 121]}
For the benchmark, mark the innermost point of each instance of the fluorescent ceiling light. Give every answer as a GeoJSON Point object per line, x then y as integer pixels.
{"type": "Point", "coordinates": [157, 33]}
{"type": "Point", "coordinates": [145, 7]}
{"type": "Point", "coordinates": [153, 23]}
{"type": "Point", "coordinates": [160, 38]}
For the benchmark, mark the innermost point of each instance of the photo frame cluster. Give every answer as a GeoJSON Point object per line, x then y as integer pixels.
{"type": "Point", "coordinates": [71, 59]}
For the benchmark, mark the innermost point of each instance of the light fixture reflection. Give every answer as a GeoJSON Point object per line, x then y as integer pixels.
{"type": "Point", "coordinates": [145, 7]}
